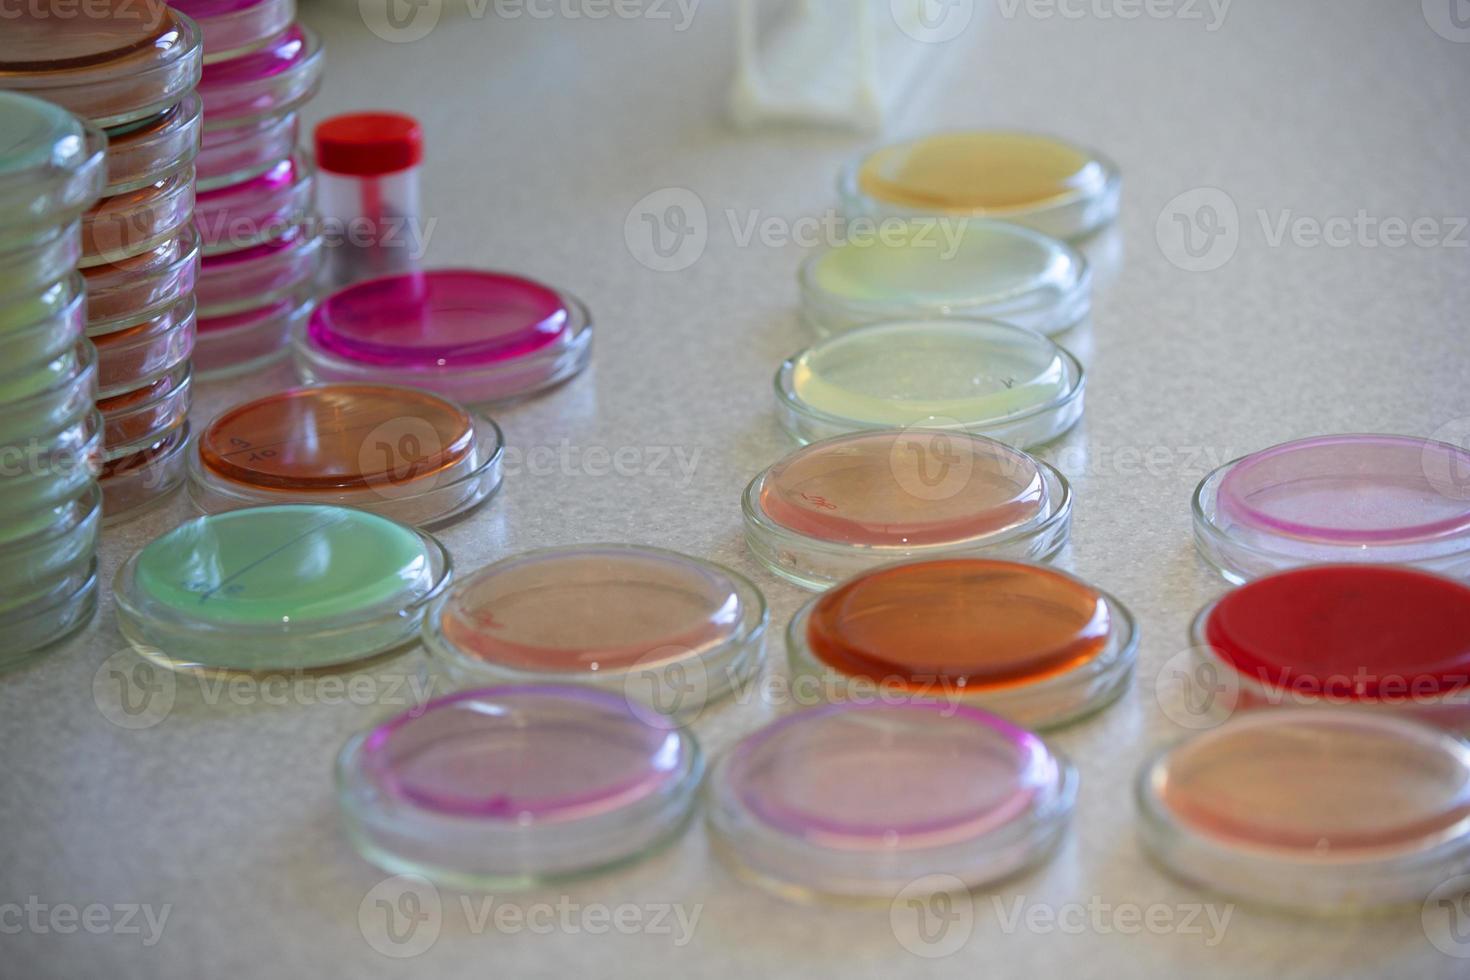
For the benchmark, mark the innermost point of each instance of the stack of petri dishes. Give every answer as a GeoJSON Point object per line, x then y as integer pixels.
{"type": "Point", "coordinates": [259, 238]}
{"type": "Point", "coordinates": [130, 73]}
{"type": "Point", "coordinates": [52, 168]}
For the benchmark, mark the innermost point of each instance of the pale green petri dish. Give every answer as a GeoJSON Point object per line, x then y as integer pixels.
{"type": "Point", "coordinates": [51, 168]}
{"type": "Point", "coordinates": [287, 588]}
{"type": "Point", "coordinates": [939, 267]}
{"type": "Point", "coordinates": [980, 376]}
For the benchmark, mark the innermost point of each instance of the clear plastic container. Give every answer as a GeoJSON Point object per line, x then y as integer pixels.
{"type": "Point", "coordinates": [369, 166]}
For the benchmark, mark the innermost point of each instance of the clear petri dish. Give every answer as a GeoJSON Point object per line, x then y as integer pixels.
{"type": "Point", "coordinates": [40, 626]}
{"type": "Point", "coordinates": [284, 588]}
{"type": "Point", "coordinates": [38, 329]}
{"type": "Point", "coordinates": [672, 633]}
{"type": "Point", "coordinates": [841, 506]}
{"type": "Point", "coordinates": [258, 210]}
{"type": "Point", "coordinates": [239, 152]}
{"type": "Point", "coordinates": [48, 550]}
{"type": "Point", "coordinates": [407, 454]}
{"type": "Point", "coordinates": [978, 376]}
{"type": "Point", "coordinates": [134, 484]}
{"type": "Point", "coordinates": [270, 81]}
{"type": "Point", "coordinates": [1381, 636]}
{"type": "Point", "coordinates": [125, 293]}
{"type": "Point", "coordinates": [473, 336]}
{"type": "Point", "coordinates": [147, 152]}
{"type": "Point", "coordinates": [235, 27]}
{"type": "Point", "coordinates": [238, 343]}
{"type": "Point", "coordinates": [132, 61]}
{"type": "Point", "coordinates": [59, 403]}
{"type": "Point", "coordinates": [1342, 498]}
{"type": "Point", "coordinates": [516, 787]}
{"type": "Point", "coordinates": [51, 170]}
{"type": "Point", "coordinates": [146, 350]}
{"type": "Point", "coordinates": [1030, 643]}
{"type": "Point", "coordinates": [44, 470]}
{"type": "Point", "coordinates": [137, 419]}
{"type": "Point", "coordinates": [1312, 811]}
{"type": "Point", "coordinates": [46, 256]}
{"type": "Point", "coordinates": [41, 378]}
{"type": "Point", "coordinates": [928, 268]}
{"type": "Point", "coordinates": [233, 282]}
{"type": "Point", "coordinates": [1055, 187]}
{"type": "Point", "coordinates": [965, 796]}
{"type": "Point", "coordinates": [130, 224]}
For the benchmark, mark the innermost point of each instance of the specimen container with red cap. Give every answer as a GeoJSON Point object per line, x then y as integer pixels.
{"type": "Point", "coordinates": [369, 194]}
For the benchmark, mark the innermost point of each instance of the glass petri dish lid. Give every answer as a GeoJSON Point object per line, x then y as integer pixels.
{"type": "Point", "coordinates": [844, 505]}
{"type": "Point", "coordinates": [284, 588]}
{"type": "Point", "coordinates": [1027, 642]}
{"type": "Point", "coordinates": [670, 633]}
{"type": "Point", "coordinates": [239, 152]}
{"type": "Point", "coordinates": [1340, 498]}
{"type": "Point", "coordinates": [258, 210]}
{"type": "Point", "coordinates": [51, 170]}
{"type": "Point", "coordinates": [137, 222]}
{"type": "Point", "coordinates": [234, 27]}
{"type": "Point", "coordinates": [966, 795]}
{"type": "Point", "coordinates": [38, 627]}
{"type": "Point", "coordinates": [1030, 179]}
{"type": "Point", "coordinates": [155, 148]}
{"type": "Point", "coordinates": [136, 483]}
{"type": "Point", "coordinates": [1371, 636]}
{"type": "Point", "coordinates": [978, 376]}
{"type": "Point", "coordinates": [233, 282]}
{"type": "Point", "coordinates": [237, 343]}
{"type": "Point", "coordinates": [125, 293]}
{"type": "Point", "coordinates": [935, 267]}
{"type": "Point", "coordinates": [128, 62]}
{"type": "Point", "coordinates": [126, 358]}
{"type": "Point", "coordinates": [474, 336]}
{"type": "Point", "coordinates": [271, 81]}
{"type": "Point", "coordinates": [1313, 811]}
{"type": "Point", "coordinates": [403, 453]}
{"type": "Point", "coordinates": [516, 787]}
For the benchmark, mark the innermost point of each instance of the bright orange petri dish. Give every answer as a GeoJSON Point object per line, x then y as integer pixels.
{"type": "Point", "coordinates": [1031, 643]}
{"type": "Point", "coordinates": [408, 453]}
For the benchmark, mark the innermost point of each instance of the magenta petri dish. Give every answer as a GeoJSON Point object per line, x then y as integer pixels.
{"type": "Point", "coordinates": [474, 335]}
{"type": "Point", "coordinates": [234, 27]}
{"type": "Point", "coordinates": [868, 800]}
{"type": "Point", "coordinates": [841, 506]}
{"type": "Point", "coordinates": [238, 343]}
{"type": "Point", "coordinates": [257, 210]}
{"type": "Point", "coordinates": [1340, 498]}
{"type": "Point", "coordinates": [240, 151]}
{"type": "Point", "coordinates": [232, 282]}
{"type": "Point", "coordinates": [511, 787]}
{"type": "Point", "coordinates": [271, 81]}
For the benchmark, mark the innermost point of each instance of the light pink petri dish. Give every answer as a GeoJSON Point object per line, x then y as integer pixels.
{"type": "Point", "coordinates": [235, 27]}
{"type": "Point", "coordinates": [472, 335]}
{"type": "Point", "coordinates": [643, 621]}
{"type": "Point", "coordinates": [269, 82]}
{"type": "Point", "coordinates": [844, 505]}
{"type": "Point", "coordinates": [257, 210]}
{"type": "Point", "coordinates": [252, 339]}
{"type": "Point", "coordinates": [234, 153]}
{"type": "Point", "coordinates": [232, 282]}
{"type": "Point", "coordinates": [1310, 809]}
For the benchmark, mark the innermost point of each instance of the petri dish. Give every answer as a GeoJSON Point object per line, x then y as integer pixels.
{"type": "Point", "coordinates": [275, 79]}
{"type": "Point", "coordinates": [1313, 811]}
{"type": "Point", "coordinates": [841, 506]}
{"type": "Point", "coordinates": [284, 588]}
{"type": "Point", "coordinates": [125, 293]}
{"type": "Point", "coordinates": [1030, 643]}
{"type": "Point", "coordinates": [37, 330]}
{"type": "Point", "coordinates": [146, 350]}
{"type": "Point", "coordinates": [1030, 179]}
{"type": "Point", "coordinates": [41, 378]}
{"type": "Point", "coordinates": [43, 258]}
{"type": "Point", "coordinates": [40, 626]}
{"type": "Point", "coordinates": [258, 210]}
{"type": "Point", "coordinates": [136, 483]}
{"type": "Point", "coordinates": [59, 403]}
{"type": "Point", "coordinates": [51, 170]}
{"type": "Point", "coordinates": [1340, 498]}
{"type": "Point", "coordinates": [400, 452]}
{"type": "Point", "coordinates": [54, 466]}
{"type": "Point", "coordinates": [130, 62]}
{"type": "Point", "coordinates": [930, 268]}
{"type": "Point", "coordinates": [239, 152]}
{"type": "Point", "coordinates": [234, 27]}
{"type": "Point", "coordinates": [516, 787]}
{"type": "Point", "coordinates": [1381, 636]}
{"type": "Point", "coordinates": [965, 795]}
{"type": "Point", "coordinates": [978, 376]}
{"type": "Point", "coordinates": [232, 282]}
{"type": "Point", "coordinates": [146, 152]}
{"type": "Point", "coordinates": [138, 221]}
{"type": "Point", "coordinates": [671, 632]}
{"type": "Point", "coordinates": [473, 336]}
{"type": "Point", "coordinates": [140, 417]}
{"type": "Point", "coordinates": [49, 550]}
{"type": "Point", "coordinates": [237, 343]}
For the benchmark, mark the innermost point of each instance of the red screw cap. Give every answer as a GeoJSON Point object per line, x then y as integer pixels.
{"type": "Point", "coordinates": [369, 144]}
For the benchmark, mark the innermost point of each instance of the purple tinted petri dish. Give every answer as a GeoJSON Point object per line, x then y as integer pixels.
{"type": "Point", "coordinates": [1342, 498]}
{"type": "Point", "coordinates": [273, 80]}
{"type": "Point", "coordinates": [254, 211]}
{"type": "Point", "coordinates": [232, 282]}
{"type": "Point", "coordinates": [513, 787]}
{"type": "Point", "coordinates": [885, 799]}
{"type": "Point", "coordinates": [234, 27]}
{"type": "Point", "coordinates": [472, 335]}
